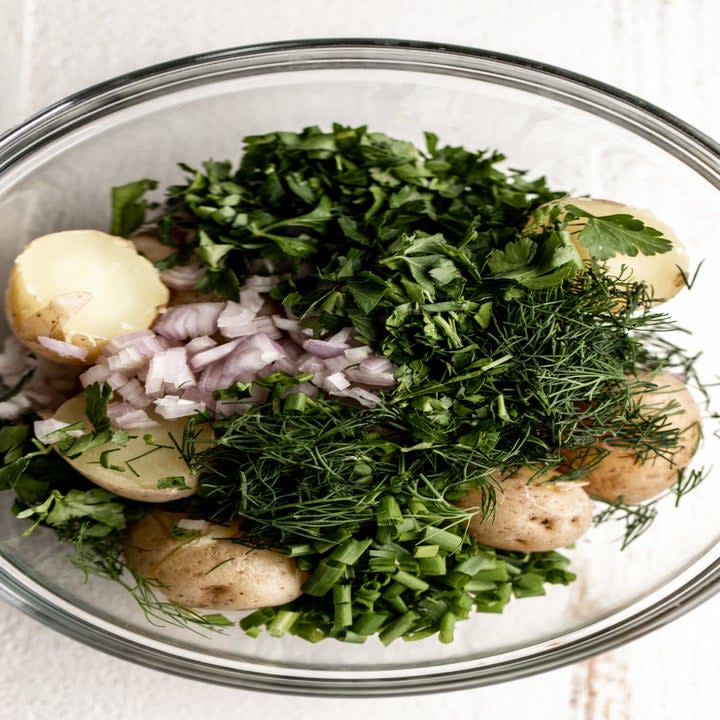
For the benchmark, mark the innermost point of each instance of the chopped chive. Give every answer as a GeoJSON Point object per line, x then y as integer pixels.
{"type": "Point", "coordinates": [496, 574]}
{"type": "Point", "coordinates": [413, 582]}
{"type": "Point", "coordinates": [417, 507]}
{"type": "Point", "coordinates": [474, 565]}
{"type": "Point", "coordinates": [308, 631]}
{"type": "Point", "coordinates": [398, 604]}
{"type": "Point", "coordinates": [433, 609]}
{"type": "Point", "coordinates": [433, 565]}
{"type": "Point", "coordinates": [368, 593]}
{"type": "Point", "coordinates": [394, 590]}
{"type": "Point", "coordinates": [407, 528]}
{"type": "Point", "coordinates": [446, 540]}
{"type": "Point", "coordinates": [351, 637]}
{"type": "Point", "coordinates": [296, 403]}
{"type": "Point", "coordinates": [426, 551]}
{"type": "Point", "coordinates": [447, 627]}
{"type": "Point", "coordinates": [420, 634]}
{"type": "Point", "coordinates": [350, 551]}
{"type": "Point", "coordinates": [385, 534]}
{"type": "Point", "coordinates": [370, 622]}
{"type": "Point", "coordinates": [475, 586]}
{"type": "Point", "coordinates": [398, 628]}
{"type": "Point", "coordinates": [342, 594]}
{"type": "Point", "coordinates": [528, 585]}
{"type": "Point", "coordinates": [257, 619]}
{"type": "Point", "coordinates": [324, 577]}
{"type": "Point", "coordinates": [300, 549]}
{"type": "Point", "coordinates": [282, 622]}
{"type": "Point", "coordinates": [388, 511]}
{"type": "Point", "coordinates": [343, 615]}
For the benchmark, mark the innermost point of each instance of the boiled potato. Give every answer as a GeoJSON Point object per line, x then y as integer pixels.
{"type": "Point", "coordinates": [664, 273]}
{"type": "Point", "coordinates": [83, 288]}
{"type": "Point", "coordinates": [622, 474]}
{"type": "Point", "coordinates": [150, 469]}
{"type": "Point", "coordinates": [533, 513]}
{"type": "Point", "coordinates": [208, 569]}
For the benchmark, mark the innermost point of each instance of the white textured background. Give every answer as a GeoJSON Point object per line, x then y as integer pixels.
{"type": "Point", "coordinates": [663, 50]}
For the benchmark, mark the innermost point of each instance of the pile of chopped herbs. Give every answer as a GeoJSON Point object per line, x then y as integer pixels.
{"type": "Point", "coordinates": [508, 348]}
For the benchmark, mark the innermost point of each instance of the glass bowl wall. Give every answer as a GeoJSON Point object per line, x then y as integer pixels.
{"type": "Point", "coordinates": [55, 174]}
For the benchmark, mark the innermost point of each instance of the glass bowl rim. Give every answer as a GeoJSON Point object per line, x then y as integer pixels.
{"type": "Point", "coordinates": [672, 134]}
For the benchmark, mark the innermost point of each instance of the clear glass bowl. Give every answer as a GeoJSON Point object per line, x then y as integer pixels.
{"type": "Point", "coordinates": [55, 173]}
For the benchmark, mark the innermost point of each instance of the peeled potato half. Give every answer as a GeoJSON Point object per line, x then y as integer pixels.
{"type": "Point", "coordinates": [663, 272]}
{"type": "Point", "coordinates": [137, 470]}
{"type": "Point", "coordinates": [81, 288]}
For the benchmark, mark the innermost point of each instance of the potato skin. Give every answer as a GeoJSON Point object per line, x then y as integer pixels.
{"type": "Point", "coordinates": [664, 272]}
{"type": "Point", "coordinates": [532, 514]}
{"type": "Point", "coordinates": [209, 570]}
{"type": "Point", "coordinates": [620, 474]}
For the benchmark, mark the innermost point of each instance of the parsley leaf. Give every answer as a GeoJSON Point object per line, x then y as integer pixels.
{"type": "Point", "coordinates": [128, 206]}
{"type": "Point", "coordinates": [96, 505]}
{"type": "Point", "coordinates": [621, 234]}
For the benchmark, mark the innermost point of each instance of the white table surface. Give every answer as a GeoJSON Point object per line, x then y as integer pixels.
{"type": "Point", "coordinates": [663, 50]}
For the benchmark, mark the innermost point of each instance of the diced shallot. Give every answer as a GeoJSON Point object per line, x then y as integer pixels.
{"type": "Point", "coordinates": [310, 364]}
{"type": "Point", "coordinates": [335, 382]}
{"type": "Point", "coordinates": [262, 324]}
{"type": "Point", "coordinates": [128, 358]}
{"type": "Point", "coordinates": [127, 340]}
{"type": "Point", "coordinates": [364, 376]}
{"type": "Point", "coordinates": [169, 370]}
{"type": "Point", "coordinates": [283, 323]}
{"type": "Point", "coordinates": [286, 365]}
{"type": "Point", "coordinates": [172, 407]}
{"type": "Point", "coordinates": [238, 315]}
{"type": "Point", "coordinates": [63, 349]}
{"type": "Point", "coordinates": [127, 417]}
{"type": "Point", "coordinates": [357, 354]}
{"type": "Point", "coordinates": [361, 395]}
{"type": "Point", "coordinates": [198, 344]}
{"type": "Point", "coordinates": [116, 380]}
{"type": "Point", "coordinates": [324, 349]}
{"type": "Point", "coordinates": [182, 277]}
{"type": "Point", "coordinates": [134, 393]}
{"type": "Point", "coordinates": [261, 283]}
{"type": "Point", "coordinates": [95, 374]}
{"type": "Point", "coordinates": [189, 321]}
{"type": "Point", "coordinates": [337, 364]}
{"type": "Point", "coordinates": [377, 363]}
{"type": "Point", "coordinates": [207, 357]}
{"type": "Point", "coordinates": [340, 337]}
{"type": "Point", "coordinates": [43, 428]}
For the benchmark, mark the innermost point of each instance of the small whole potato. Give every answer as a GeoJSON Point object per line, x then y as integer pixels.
{"type": "Point", "coordinates": [664, 273]}
{"type": "Point", "coordinates": [622, 474]}
{"type": "Point", "coordinates": [533, 513]}
{"type": "Point", "coordinates": [137, 471]}
{"type": "Point", "coordinates": [209, 569]}
{"type": "Point", "coordinates": [71, 292]}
